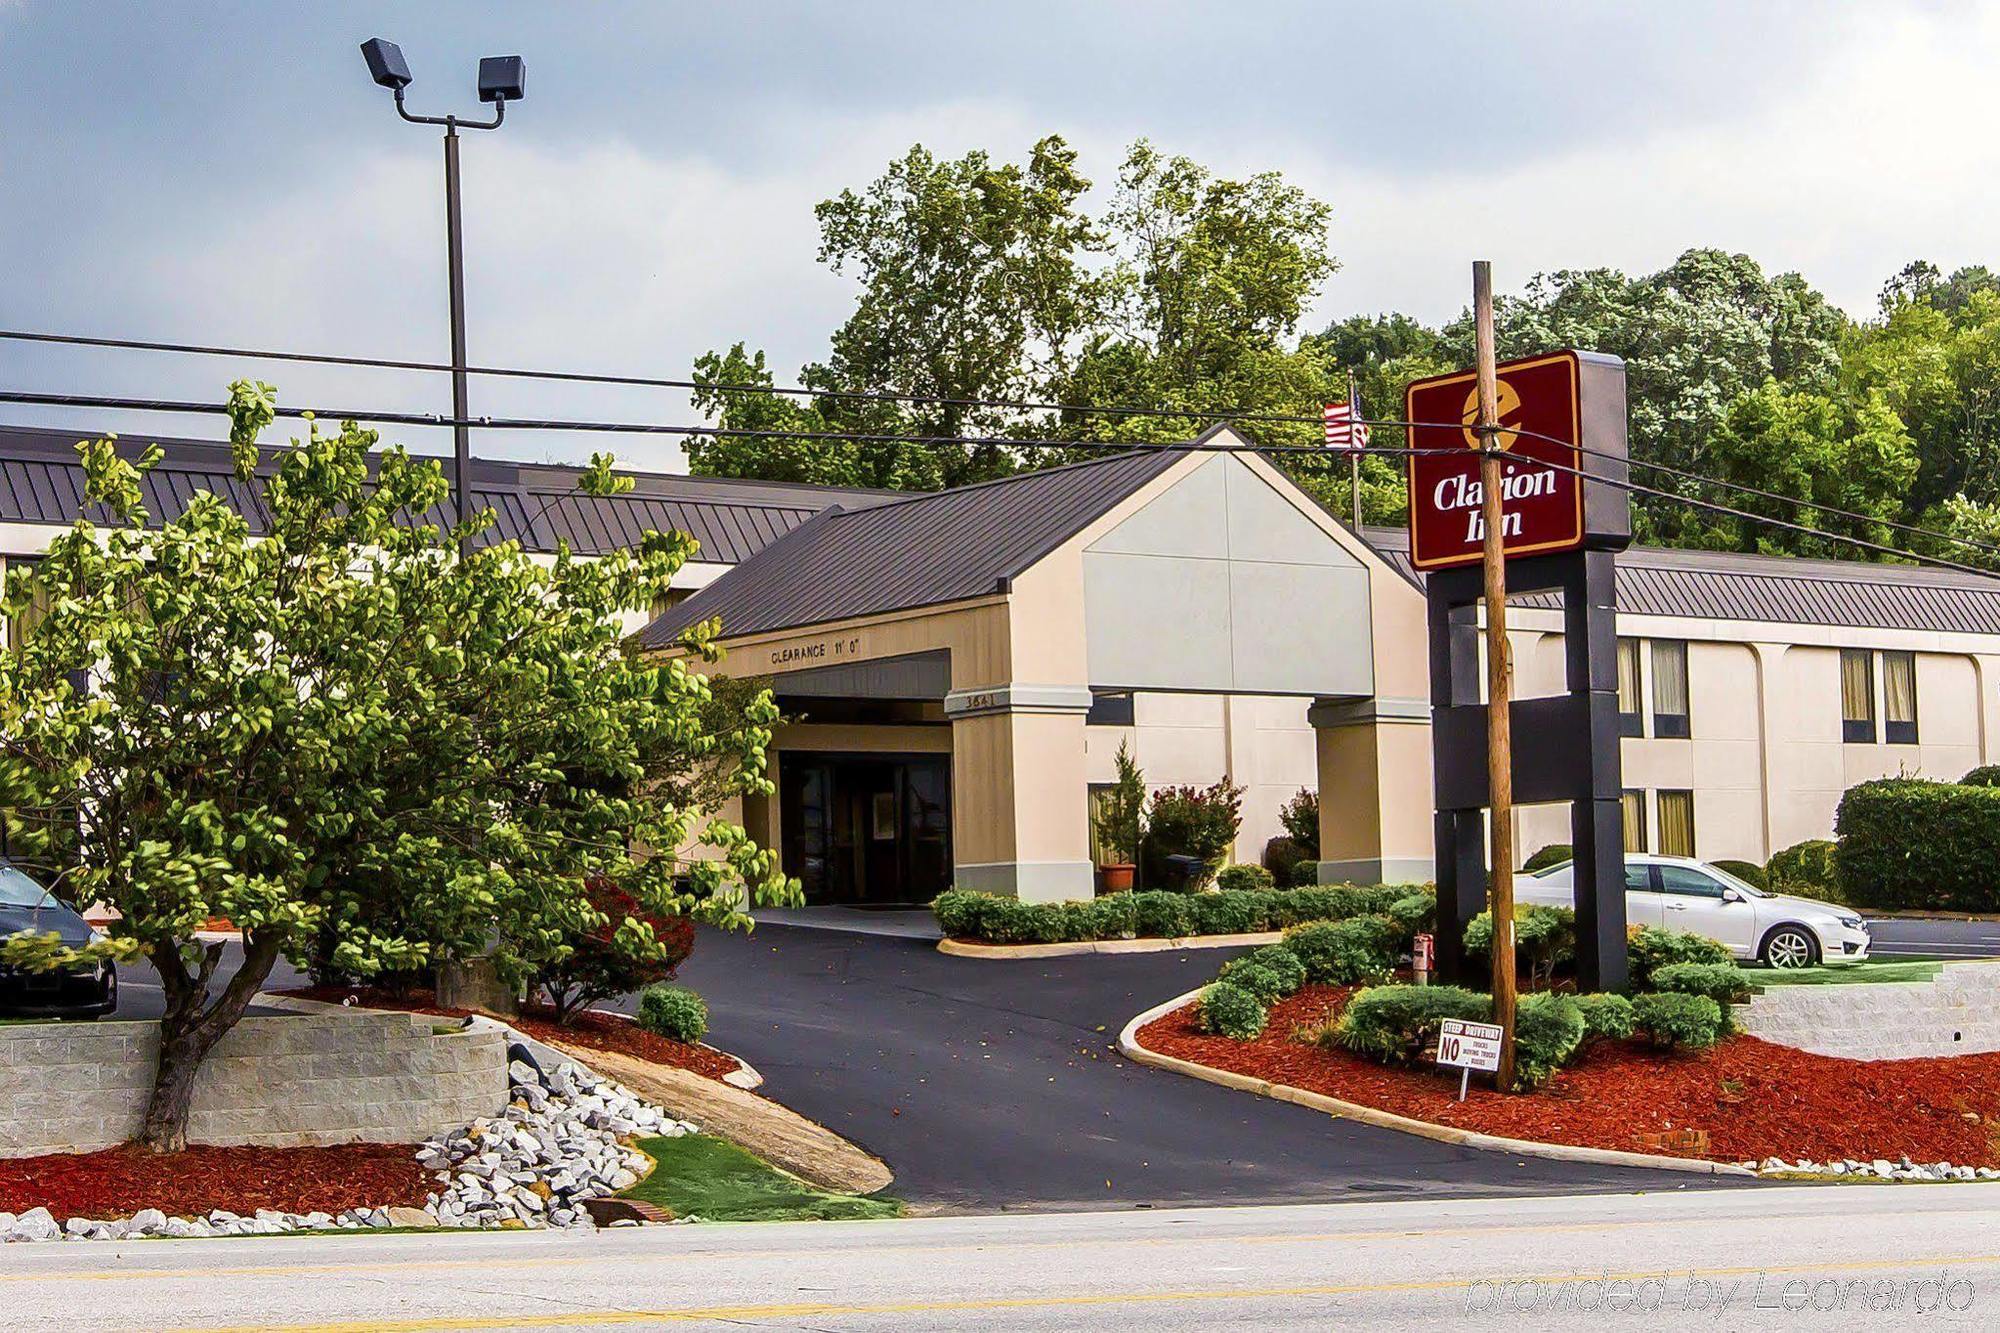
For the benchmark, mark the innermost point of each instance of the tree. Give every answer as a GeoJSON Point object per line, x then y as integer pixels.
{"type": "Point", "coordinates": [1935, 359]}
{"type": "Point", "coordinates": [290, 728]}
{"type": "Point", "coordinates": [1121, 819]}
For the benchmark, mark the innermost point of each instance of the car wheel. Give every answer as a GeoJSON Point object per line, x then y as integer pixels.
{"type": "Point", "coordinates": [1790, 946]}
{"type": "Point", "coordinates": [110, 991]}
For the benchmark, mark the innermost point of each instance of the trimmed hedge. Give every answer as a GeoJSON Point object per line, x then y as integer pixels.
{"type": "Point", "coordinates": [1806, 869]}
{"type": "Point", "coordinates": [1159, 914]}
{"type": "Point", "coordinates": [1549, 1027]}
{"type": "Point", "coordinates": [1340, 953]}
{"type": "Point", "coordinates": [1653, 947]}
{"type": "Point", "coordinates": [1725, 983]}
{"type": "Point", "coordinates": [1553, 854]}
{"type": "Point", "coordinates": [1606, 1015]}
{"type": "Point", "coordinates": [1748, 871]}
{"type": "Point", "coordinates": [1399, 1024]}
{"type": "Point", "coordinates": [1245, 877]}
{"type": "Point", "coordinates": [1906, 843]}
{"type": "Point", "coordinates": [1231, 1011]}
{"type": "Point", "coordinates": [1675, 1021]}
{"type": "Point", "coordinates": [1544, 937]}
{"type": "Point", "coordinates": [673, 1011]}
{"type": "Point", "coordinates": [1270, 973]}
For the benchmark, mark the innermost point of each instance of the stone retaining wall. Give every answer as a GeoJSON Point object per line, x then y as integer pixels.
{"type": "Point", "coordinates": [1957, 1013]}
{"type": "Point", "coordinates": [276, 1081]}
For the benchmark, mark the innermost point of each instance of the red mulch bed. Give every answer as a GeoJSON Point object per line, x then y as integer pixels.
{"type": "Point", "coordinates": [1752, 1098]}
{"type": "Point", "coordinates": [120, 1181]}
{"type": "Point", "coordinates": [590, 1029]}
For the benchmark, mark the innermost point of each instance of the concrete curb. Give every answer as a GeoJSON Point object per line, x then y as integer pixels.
{"type": "Point", "coordinates": [969, 949]}
{"type": "Point", "coordinates": [1128, 1045]}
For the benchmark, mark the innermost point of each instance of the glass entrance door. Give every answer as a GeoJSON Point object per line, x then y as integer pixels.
{"type": "Point", "coordinates": [863, 828]}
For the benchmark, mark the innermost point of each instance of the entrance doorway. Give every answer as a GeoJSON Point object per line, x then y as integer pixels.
{"type": "Point", "coordinates": [873, 829]}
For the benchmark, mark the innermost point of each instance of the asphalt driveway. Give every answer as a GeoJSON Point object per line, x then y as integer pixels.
{"type": "Point", "coordinates": [995, 1086]}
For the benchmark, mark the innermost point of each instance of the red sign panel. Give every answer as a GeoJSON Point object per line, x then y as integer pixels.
{"type": "Point", "coordinates": [1541, 506]}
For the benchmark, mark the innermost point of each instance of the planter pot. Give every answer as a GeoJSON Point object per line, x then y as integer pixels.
{"type": "Point", "coordinates": [1118, 879]}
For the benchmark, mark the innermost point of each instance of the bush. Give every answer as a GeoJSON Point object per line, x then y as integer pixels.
{"type": "Point", "coordinates": [1676, 1021]}
{"type": "Point", "coordinates": [1245, 879]}
{"type": "Point", "coordinates": [1190, 821]}
{"type": "Point", "coordinates": [1724, 983]}
{"type": "Point", "coordinates": [1606, 1016]}
{"type": "Point", "coordinates": [1805, 869]}
{"type": "Point", "coordinates": [1285, 859]}
{"type": "Point", "coordinates": [1414, 914]}
{"type": "Point", "coordinates": [1748, 871]}
{"type": "Point", "coordinates": [1116, 916]}
{"type": "Point", "coordinates": [673, 1011]}
{"type": "Point", "coordinates": [1552, 855]}
{"type": "Point", "coordinates": [1279, 958]}
{"type": "Point", "coordinates": [1011, 921]}
{"type": "Point", "coordinates": [1398, 1024]}
{"type": "Point", "coordinates": [1548, 1029]}
{"type": "Point", "coordinates": [1544, 938]}
{"type": "Point", "coordinates": [1231, 1011]}
{"type": "Point", "coordinates": [1228, 913]}
{"type": "Point", "coordinates": [1986, 775]}
{"type": "Point", "coordinates": [1260, 979]}
{"type": "Point", "coordinates": [603, 962]}
{"type": "Point", "coordinates": [1300, 816]}
{"type": "Point", "coordinates": [1305, 874]}
{"type": "Point", "coordinates": [1340, 953]}
{"type": "Point", "coordinates": [1162, 914]}
{"type": "Point", "coordinates": [962, 912]}
{"type": "Point", "coordinates": [1120, 820]}
{"type": "Point", "coordinates": [1905, 843]}
{"type": "Point", "coordinates": [1651, 947]}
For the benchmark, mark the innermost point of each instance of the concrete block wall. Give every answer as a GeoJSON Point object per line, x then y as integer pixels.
{"type": "Point", "coordinates": [342, 1076]}
{"type": "Point", "coordinates": [1958, 1013]}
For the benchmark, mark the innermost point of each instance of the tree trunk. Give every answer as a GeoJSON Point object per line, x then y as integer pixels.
{"type": "Point", "coordinates": [190, 1029]}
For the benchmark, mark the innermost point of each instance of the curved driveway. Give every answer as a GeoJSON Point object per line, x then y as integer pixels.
{"type": "Point", "coordinates": [992, 1085]}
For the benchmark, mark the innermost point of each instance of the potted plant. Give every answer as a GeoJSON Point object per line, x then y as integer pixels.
{"type": "Point", "coordinates": [1120, 819]}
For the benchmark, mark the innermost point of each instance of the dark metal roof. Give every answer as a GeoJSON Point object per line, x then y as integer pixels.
{"type": "Point", "coordinates": [946, 546]}
{"type": "Point", "coordinates": [1788, 590]}
{"type": "Point", "coordinates": [536, 504]}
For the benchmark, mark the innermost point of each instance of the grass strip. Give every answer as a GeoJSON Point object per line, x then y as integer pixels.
{"type": "Point", "coordinates": [1850, 974]}
{"type": "Point", "coordinates": [699, 1175]}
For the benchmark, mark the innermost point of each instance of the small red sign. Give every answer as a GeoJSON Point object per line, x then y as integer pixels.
{"type": "Point", "coordinates": [1541, 506]}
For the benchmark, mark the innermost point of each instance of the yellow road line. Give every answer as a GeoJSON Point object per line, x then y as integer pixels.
{"type": "Point", "coordinates": [690, 1314]}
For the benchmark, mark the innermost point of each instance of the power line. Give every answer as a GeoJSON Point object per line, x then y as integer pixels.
{"type": "Point", "coordinates": [1317, 451]}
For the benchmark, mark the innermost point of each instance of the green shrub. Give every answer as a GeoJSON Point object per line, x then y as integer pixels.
{"type": "Point", "coordinates": [1285, 858]}
{"type": "Point", "coordinates": [1805, 869]}
{"type": "Point", "coordinates": [1011, 921]}
{"type": "Point", "coordinates": [1340, 953]}
{"type": "Point", "coordinates": [1115, 916]}
{"type": "Point", "coordinates": [1552, 855]}
{"type": "Point", "coordinates": [1162, 914]}
{"type": "Point", "coordinates": [1398, 1024]}
{"type": "Point", "coordinates": [1724, 983]}
{"type": "Point", "coordinates": [1606, 1015]}
{"type": "Point", "coordinates": [1231, 1011]}
{"type": "Point", "coordinates": [1676, 1021]}
{"type": "Point", "coordinates": [673, 1011]}
{"type": "Point", "coordinates": [1300, 816]}
{"type": "Point", "coordinates": [1313, 904]}
{"type": "Point", "coordinates": [1280, 959]}
{"type": "Point", "coordinates": [1260, 979]}
{"type": "Point", "coordinates": [1120, 817]}
{"type": "Point", "coordinates": [1548, 1029]}
{"type": "Point", "coordinates": [1986, 775]}
{"type": "Point", "coordinates": [1306, 873]}
{"type": "Point", "coordinates": [1907, 844]}
{"type": "Point", "coordinates": [961, 912]}
{"type": "Point", "coordinates": [1190, 821]}
{"type": "Point", "coordinates": [1228, 913]}
{"type": "Point", "coordinates": [1245, 878]}
{"type": "Point", "coordinates": [1544, 938]}
{"type": "Point", "coordinates": [1414, 914]}
{"type": "Point", "coordinates": [1748, 871]}
{"type": "Point", "coordinates": [1651, 947]}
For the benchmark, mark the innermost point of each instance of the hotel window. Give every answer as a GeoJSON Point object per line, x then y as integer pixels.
{"type": "Point", "coordinates": [1857, 697]}
{"type": "Point", "coordinates": [1899, 698]}
{"type": "Point", "coordinates": [1100, 797]}
{"type": "Point", "coordinates": [1670, 688]}
{"type": "Point", "coordinates": [1631, 722]}
{"type": "Point", "coordinates": [1676, 823]}
{"type": "Point", "coordinates": [1109, 710]}
{"type": "Point", "coordinates": [1632, 805]}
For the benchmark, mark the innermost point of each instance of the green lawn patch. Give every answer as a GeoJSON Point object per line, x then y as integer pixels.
{"type": "Point", "coordinates": [699, 1175]}
{"type": "Point", "coordinates": [1850, 974]}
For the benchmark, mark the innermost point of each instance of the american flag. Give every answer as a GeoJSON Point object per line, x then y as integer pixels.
{"type": "Point", "coordinates": [1342, 430]}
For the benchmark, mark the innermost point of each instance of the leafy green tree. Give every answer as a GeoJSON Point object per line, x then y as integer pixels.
{"type": "Point", "coordinates": [1935, 359]}
{"type": "Point", "coordinates": [289, 729]}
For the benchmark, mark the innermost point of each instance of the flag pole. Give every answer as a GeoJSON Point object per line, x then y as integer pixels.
{"type": "Point", "coordinates": [1354, 446]}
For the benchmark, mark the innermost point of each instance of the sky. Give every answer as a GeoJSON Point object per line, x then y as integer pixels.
{"type": "Point", "coordinates": [225, 173]}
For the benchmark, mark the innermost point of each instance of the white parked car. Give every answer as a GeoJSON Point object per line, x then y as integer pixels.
{"type": "Point", "coordinates": [1682, 893]}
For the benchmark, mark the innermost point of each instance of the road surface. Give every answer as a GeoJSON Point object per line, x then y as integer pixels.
{"type": "Point", "coordinates": [1820, 1258]}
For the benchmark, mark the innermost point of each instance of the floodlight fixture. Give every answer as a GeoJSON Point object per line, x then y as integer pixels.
{"type": "Point", "coordinates": [386, 64]}
{"type": "Point", "coordinates": [502, 79]}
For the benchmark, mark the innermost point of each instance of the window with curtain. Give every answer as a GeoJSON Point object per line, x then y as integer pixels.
{"type": "Point", "coordinates": [1099, 797]}
{"type": "Point", "coordinates": [1899, 698]}
{"type": "Point", "coordinates": [1676, 823]}
{"type": "Point", "coordinates": [1670, 687]}
{"type": "Point", "coordinates": [1632, 805]}
{"type": "Point", "coordinates": [1631, 722]}
{"type": "Point", "coordinates": [1857, 696]}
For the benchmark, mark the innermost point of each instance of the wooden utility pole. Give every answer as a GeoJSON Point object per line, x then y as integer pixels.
{"type": "Point", "coordinates": [1499, 675]}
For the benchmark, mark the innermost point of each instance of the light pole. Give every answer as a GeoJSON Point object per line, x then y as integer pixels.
{"type": "Point", "coordinates": [502, 79]}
